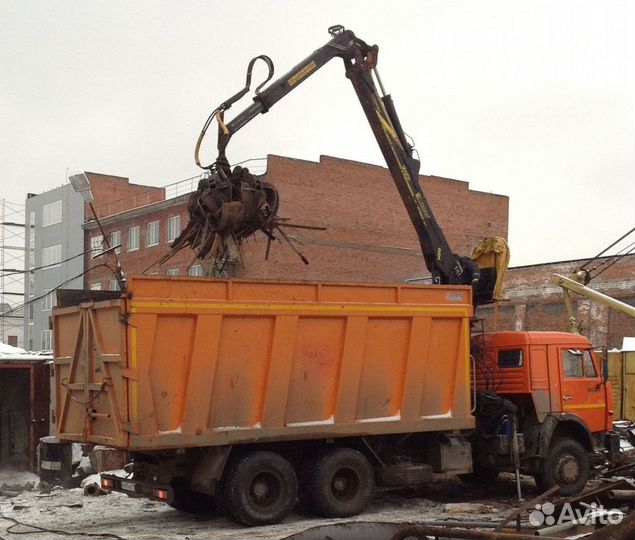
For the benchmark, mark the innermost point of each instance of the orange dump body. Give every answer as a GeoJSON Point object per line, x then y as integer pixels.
{"type": "Point", "coordinates": [181, 362]}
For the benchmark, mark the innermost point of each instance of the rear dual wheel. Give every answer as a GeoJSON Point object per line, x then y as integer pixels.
{"type": "Point", "coordinates": [259, 488]}
{"type": "Point", "coordinates": [338, 483]}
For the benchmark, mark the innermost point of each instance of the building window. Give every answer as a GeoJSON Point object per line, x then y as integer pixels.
{"type": "Point", "coordinates": [48, 301]}
{"type": "Point", "coordinates": [96, 244]}
{"type": "Point", "coordinates": [30, 334]}
{"type": "Point", "coordinates": [115, 240]}
{"type": "Point", "coordinates": [52, 213]}
{"type": "Point", "coordinates": [114, 285]}
{"type": "Point", "coordinates": [195, 270]}
{"type": "Point", "coordinates": [173, 272]}
{"type": "Point", "coordinates": [47, 336]}
{"type": "Point", "coordinates": [152, 234]}
{"type": "Point", "coordinates": [133, 238]}
{"type": "Point", "coordinates": [52, 255]}
{"type": "Point", "coordinates": [95, 286]}
{"type": "Point", "coordinates": [174, 228]}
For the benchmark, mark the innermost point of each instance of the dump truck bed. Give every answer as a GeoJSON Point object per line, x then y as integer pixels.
{"type": "Point", "coordinates": [180, 362]}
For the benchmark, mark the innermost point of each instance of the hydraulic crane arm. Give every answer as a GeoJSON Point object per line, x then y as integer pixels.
{"type": "Point", "coordinates": [360, 60]}
{"type": "Point", "coordinates": [578, 281]}
{"type": "Point", "coordinates": [580, 288]}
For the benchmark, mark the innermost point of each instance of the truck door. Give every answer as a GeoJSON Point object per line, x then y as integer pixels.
{"type": "Point", "coordinates": [582, 388]}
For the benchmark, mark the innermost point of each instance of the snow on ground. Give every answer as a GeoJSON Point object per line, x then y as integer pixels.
{"type": "Point", "coordinates": [141, 519]}
{"type": "Point", "coordinates": [11, 477]}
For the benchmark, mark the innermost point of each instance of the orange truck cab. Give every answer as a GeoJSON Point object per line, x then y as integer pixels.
{"type": "Point", "coordinates": [554, 387]}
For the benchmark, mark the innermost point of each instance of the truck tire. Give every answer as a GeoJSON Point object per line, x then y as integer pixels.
{"type": "Point", "coordinates": [190, 502]}
{"type": "Point", "coordinates": [566, 465]}
{"type": "Point", "coordinates": [259, 488]}
{"type": "Point", "coordinates": [339, 483]}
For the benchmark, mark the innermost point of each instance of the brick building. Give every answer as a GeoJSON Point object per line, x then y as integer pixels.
{"type": "Point", "coordinates": [115, 194]}
{"type": "Point", "coordinates": [537, 304]}
{"type": "Point", "coordinates": [362, 233]}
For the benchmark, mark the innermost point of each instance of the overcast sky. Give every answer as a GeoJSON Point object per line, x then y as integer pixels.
{"type": "Point", "coordinates": [529, 99]}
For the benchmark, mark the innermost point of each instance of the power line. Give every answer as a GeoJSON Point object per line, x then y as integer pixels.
{"type": "Point", "coordinates": [606, 249]}
{"type": "Point", "coordinates": [618, 257]}
{"type": "Point", "coordinates": [609, 260]}
{"type": "Point", "coordinates": [35, 299]}
{"type": "Point", "coordinates": [12, 271]}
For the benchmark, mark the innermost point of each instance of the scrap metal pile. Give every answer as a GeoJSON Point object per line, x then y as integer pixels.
{"type": "Point", "coordinates": [602, 513]}
{"type": "Point", "coordinates": [227, 207]}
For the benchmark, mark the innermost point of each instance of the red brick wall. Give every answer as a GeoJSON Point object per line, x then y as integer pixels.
{"type": "Point", "coordinates": [537, 304]}
{"type": "Point", "coordinates": [361, 200]}
{"type": "Point", "coordinates": [620, 324]}
{"type": "Point", "coordinates": [368, 235]}
{"type": "Point", "coordinates": [114, 194]}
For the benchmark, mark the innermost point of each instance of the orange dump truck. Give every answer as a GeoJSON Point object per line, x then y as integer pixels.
{"type": "Point", "coordinates": [255, 393]}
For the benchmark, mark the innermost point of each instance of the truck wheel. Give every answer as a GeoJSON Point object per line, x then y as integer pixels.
{"type": "Point", "coordinates": [479, 476]}
{"type": "Point", "coordinates": [340, 483]}
{"type": "Point", "coordinates": [566, 465]}
{"type": "Point", "coordinates": [260, 488]}
{"type": "Point", "coordinates": [186, 500]}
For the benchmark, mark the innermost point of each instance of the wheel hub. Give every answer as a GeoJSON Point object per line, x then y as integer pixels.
{"type": "Point", "coordinates": [568, 469]}
{"type": "Point", "coordinates": [260, 490]}
{"type": "Point", "coordinates": [340, 484]}
{"type": "Point", "coordinates": [345, 484]}
{"type": "Point", "coordinates": [265, 489]}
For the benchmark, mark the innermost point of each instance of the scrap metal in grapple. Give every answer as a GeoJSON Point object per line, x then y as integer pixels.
{"type": "Point", "coordinates": [226, 208]}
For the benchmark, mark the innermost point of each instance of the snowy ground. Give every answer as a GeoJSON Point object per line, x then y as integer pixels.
{"type": "Point", "coordinates": [10, 477]}
{"type": "Point", "coordinates": [140, 519]}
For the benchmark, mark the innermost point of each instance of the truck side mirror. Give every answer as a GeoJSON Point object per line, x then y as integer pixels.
{"type": "Point", "coordinates": [605, 369]}
{"type": "Point", "coordinates": [603, 354]}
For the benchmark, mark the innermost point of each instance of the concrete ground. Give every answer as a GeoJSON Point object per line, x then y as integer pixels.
{"type": "Point", "coordinates": [71, 511]}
